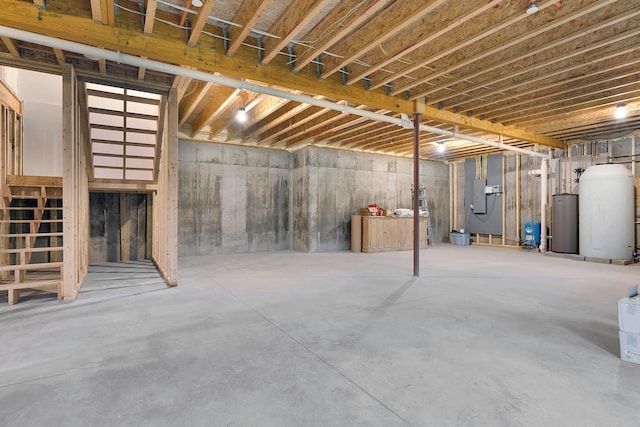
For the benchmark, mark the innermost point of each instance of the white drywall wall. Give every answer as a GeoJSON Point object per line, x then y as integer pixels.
{"type": "Point", "coordinates": [42, 122]}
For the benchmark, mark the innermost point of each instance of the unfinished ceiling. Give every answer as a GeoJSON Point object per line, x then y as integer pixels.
{"type": "Point", "coordinates": [486, 68]}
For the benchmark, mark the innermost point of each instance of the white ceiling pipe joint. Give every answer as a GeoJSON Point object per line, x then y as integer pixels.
{"type": "Point", "coordinates": [123, 58]}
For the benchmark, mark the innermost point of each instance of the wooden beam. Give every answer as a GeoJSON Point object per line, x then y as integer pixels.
{"type": "Point", "coordinates": [59, 56]}
{"type": "Point", "coordinates": [391, 21]}
{"type": "Point", "coordinates": [142, 71]}
{"type": "Point", "coordinates": [201, 20]}
{"type": "Point", "coordinates": [247, 15]}
{"type": "Point", "coordinates": [108, 12]}
{"type": "Point", "coordinates": [289, 25]}
{"type": "Point", "coordinates": [102, 66]}
{"type": "Point", "coordinates": [150, 17]}
{"type": "Point", "coordinates": [96, 11]}
{"type": "Point", "coordinates": [445, 116]}
{"type": "Point", "coordinates": [346, 16]}
{"type": "Point", "coordinates": [181, 84]}
{"type": "Point", "coordinates": [9, 99]}
{"type": "Point", "coordinates": [11, 46]}
{"type": "Point", "coordinates": [168, 46]}
{"type": "Point", "coordinates": [191, 101]}
{"type": "Point", "coordinates": [220, 100]}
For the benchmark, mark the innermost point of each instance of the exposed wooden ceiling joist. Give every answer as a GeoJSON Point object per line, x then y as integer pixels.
{"type": "Point", "coordinates": [486, 67]}
{"type": "Point", "coordinates": [150, 17]}
{"type": "Point", "coordinates": [220, 100]}
{"type": "Point", "coordinates": [289, 25]}
{"type": "Point", "coordinates": [189, 103]}
{"type": "Point", "coordinates": [335, 26]}
{"type": "Point", "coordinates": [392, 20]}
{"type": "Point", "coordinates": [247, 16]}
{"type": "Point", "coordinates": [96, 11]}
{"type": "Point", "coordinates": [201, 20]}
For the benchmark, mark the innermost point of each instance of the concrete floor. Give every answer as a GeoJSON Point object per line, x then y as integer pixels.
{"type": "Point", "coordinates": [485, 337]}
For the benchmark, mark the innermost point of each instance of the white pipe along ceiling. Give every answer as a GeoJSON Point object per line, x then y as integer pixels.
{"type": "Point", "coordinates": [136, 61]}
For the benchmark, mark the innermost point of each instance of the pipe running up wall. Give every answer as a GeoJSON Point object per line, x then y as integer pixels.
{"type": "Point", "coordinates": [150, 64]}
{"type": "Point", "coordinates": [544, 176]}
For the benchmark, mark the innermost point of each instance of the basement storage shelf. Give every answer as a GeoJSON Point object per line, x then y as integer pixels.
{"type": "Point", "coordinates": [384, 234]}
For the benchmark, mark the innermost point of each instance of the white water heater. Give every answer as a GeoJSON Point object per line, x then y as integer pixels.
{"type": "Point", "coordinates": [606, 212]}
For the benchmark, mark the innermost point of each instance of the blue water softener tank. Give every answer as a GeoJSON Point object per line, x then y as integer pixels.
{"type": "Point", "coordinates": [532, 234]}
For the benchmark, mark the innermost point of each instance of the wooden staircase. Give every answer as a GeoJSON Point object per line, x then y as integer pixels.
{"type": "Point", "coordinates": [31, 236]}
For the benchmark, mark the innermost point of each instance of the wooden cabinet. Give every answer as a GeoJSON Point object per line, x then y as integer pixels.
{"type": "Point", "coordinates": [382, 234]}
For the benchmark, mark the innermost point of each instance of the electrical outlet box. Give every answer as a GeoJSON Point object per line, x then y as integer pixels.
{"type": "Point", "coordinates": [497, 188]}
{"type": "Point", "coordinates": [488, 189]}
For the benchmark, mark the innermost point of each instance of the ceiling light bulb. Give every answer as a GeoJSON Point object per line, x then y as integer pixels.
{"type": "Point", "coordinates": [196, 3]}
{"type": "Point", "coordinates": [441, 148]}
{"type": "Point", "coordinates": [241, 116]}
{"type": "Point", "coordinates": [533, 8]}
{"type": "Point", "coordinates": [620, 111]}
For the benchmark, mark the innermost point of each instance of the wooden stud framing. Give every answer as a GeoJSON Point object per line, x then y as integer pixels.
{"type": "Point", "coordinates": [165, 200]}
{"type": "Point", "coordinates": [75, 190]}
{"type": "Point", "coordinates": [12, 46]}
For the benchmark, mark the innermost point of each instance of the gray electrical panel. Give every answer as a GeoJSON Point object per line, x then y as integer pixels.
{"type": "Point", "coordinates": [483, 190]}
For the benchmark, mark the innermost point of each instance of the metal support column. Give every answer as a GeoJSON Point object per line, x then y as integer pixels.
{"type": "Point", "coordinates": [416, 187]}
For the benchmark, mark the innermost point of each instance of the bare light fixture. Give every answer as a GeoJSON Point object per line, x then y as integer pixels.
{"type": "Point", "coordinates": [196, 3]}
{"type": "Point", "coordinates": [620, 111]}
{"type": "Point", "coordinates": [241, 115]}
{"type": "Point", "coordinates": [533, 8]}
{"type": "Point", "coordinates": [441, 147]}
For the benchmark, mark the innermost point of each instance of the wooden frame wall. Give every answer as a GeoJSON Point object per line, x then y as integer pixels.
{"type": "Point", "coordinates": [165, 200]}
{"type": "Point", "coordinates": [75, 189]}
{"type": "Point", "coordinates": [10, 160]}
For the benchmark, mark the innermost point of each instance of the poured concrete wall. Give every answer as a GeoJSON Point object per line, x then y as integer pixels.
{"type": "Point", "coordinates": [244, 199]}
{"type": "Point", "coordinates": [331, 185]}
{"type": "Point", "coordinates": [232, 199]}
